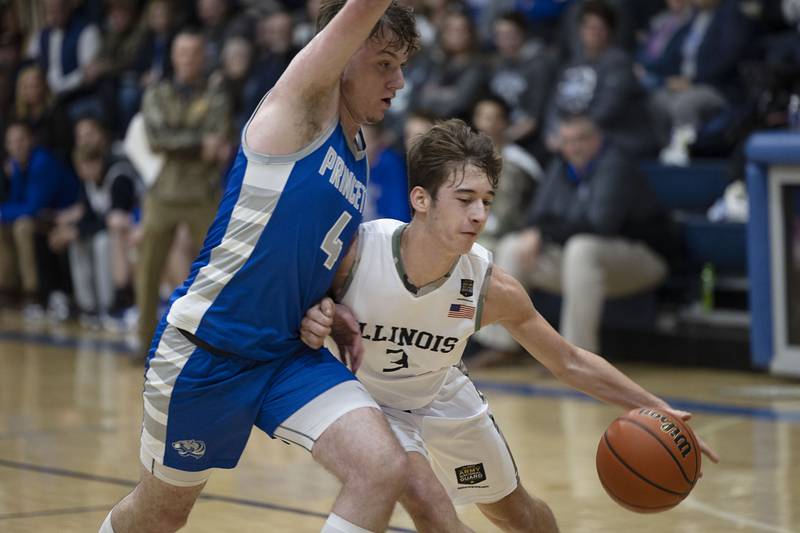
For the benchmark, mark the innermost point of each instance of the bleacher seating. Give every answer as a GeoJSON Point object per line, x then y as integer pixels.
{"type": "Point", "coordinates": [688, 192]}
{"type": "Point", "coordinates": [695, 332]}
{"type": "Point", "coordinates": [688, 189]}
{"type": "Point", "coordinates": [673, 313]}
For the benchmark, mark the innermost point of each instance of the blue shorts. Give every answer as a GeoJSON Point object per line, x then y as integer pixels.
{"type": "Point", "coordinates": [199, 408]}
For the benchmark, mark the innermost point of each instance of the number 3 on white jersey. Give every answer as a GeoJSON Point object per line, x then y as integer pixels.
{"type": "Point", "coordinates": [332, 244]}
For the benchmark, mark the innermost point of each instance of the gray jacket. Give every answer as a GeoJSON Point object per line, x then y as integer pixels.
{"type": "Point", "coordinates": [611, 199]}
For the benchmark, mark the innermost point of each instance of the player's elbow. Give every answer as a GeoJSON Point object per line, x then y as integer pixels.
{"type": "Point", "coordinates": [568, 366]}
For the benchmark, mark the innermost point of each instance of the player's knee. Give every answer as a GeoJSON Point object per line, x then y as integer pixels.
{"type": "Point", "coordinates": [532, 516]}
{"type": "Point", "coordinates": [414, 494]}
{"type": "Point", "coordinates": [540, 516]}
{"type": "Point", "coordinates": [419, 503]}
{"type": "Point", "coordinates": [390, 472]}
{"type": "Point", "coordinates": [378, 471]}
{"type": "Point", "coordinates": [520, 512]}
{"type": "Point", "coordinates": [523, 519]}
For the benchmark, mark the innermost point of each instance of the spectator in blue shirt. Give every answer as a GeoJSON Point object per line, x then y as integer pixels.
{"type": "Point", "coordinates": [39, 185]}
{"type": "Point", "coordinates": [387, 195]}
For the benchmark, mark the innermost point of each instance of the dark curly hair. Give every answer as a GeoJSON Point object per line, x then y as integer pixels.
{"type": "Point", "coordinates": [449, 147]}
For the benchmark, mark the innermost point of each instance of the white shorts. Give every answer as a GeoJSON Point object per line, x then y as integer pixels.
{"type": "Point", "coordinates": [306, 425]}
{"type": "Point", "coordinates": [302, 428]}
{"type": "Point", "coordinates": [465, 447]}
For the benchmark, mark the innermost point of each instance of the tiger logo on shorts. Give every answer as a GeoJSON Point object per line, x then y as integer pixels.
{"type": "Point", "coordinates": [190, 448]}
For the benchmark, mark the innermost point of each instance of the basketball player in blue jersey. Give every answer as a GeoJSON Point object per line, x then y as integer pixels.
{"type": "Point", "coordinates": [227, 355]}
{"type": "Point", "coordinates": [420, 291]}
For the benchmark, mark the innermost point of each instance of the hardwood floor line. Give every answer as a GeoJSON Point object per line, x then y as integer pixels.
{"type": "Point", "coordinates": [761, 413]}
{"type": "Point", "coordinates": [56, 512]}
{"type": "Point", "coordinates": [45, 338]}
{"type": "Point", "coordinates": [736, 520]}
{"type": "Point", "coordinates": [63, 472]}
{"type": "Point", "coordinates": [520, 389]}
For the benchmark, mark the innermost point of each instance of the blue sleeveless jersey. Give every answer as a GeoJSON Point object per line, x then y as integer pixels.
{"type": "Point", "coordinates": [283, 225]}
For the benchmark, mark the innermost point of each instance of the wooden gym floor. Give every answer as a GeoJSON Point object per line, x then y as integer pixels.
{"type": "Point", "coordinates": [70, 412]}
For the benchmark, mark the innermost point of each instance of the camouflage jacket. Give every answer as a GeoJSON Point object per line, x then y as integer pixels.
{"type": "Point", "coordinates": [176, 121]}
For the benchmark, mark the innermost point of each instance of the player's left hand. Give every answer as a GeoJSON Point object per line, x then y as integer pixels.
{"type": "Point", "coordinates": [705, 448]}
{"type": "Point", "coordinates": [317, 324]}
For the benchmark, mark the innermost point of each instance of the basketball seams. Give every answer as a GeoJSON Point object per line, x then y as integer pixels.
{"type": "Point", "coordinates": [636, 473]}
{"type": "Point", "coordinates": [631, 505]}
{"type": "Point", "coordinates": [688, 431]}
{"type": "Point", "coordinates": [697, 457]}
{"type": "Point", "coordinates": [655, 435]}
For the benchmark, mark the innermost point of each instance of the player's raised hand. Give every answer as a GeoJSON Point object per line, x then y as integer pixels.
{"type": "Point", "coordinates": [347, 335]}
{"type": "Point", "coordinates": [317, 324]}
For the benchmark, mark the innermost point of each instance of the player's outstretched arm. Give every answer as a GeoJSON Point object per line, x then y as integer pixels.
{"type": "Point", "coordinates": [508, 304]}
{"type": "Point", "coordinates": [305, 99]}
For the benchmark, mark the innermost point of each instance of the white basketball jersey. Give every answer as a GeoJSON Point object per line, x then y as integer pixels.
{"type": "Point", "coordinates": [411, 336]}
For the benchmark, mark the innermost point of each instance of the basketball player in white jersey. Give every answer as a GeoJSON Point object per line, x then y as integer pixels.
{"type": "Point", "coordinates": [420, 291]}
{"type": "Point", "coordinates": [227, 356]}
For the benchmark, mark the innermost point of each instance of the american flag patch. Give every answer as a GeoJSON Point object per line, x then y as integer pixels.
{"type": "Point", "coordinates": [461, 311]}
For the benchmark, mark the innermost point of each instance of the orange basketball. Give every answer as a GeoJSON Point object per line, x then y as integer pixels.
{"type": "Point", "coordinates": [648, 461]}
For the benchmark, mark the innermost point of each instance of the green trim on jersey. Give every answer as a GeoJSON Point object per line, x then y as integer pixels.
{"type": "Point", "coordinates": [482, 297]}
{"type": "Point", "coordinates": [397, 238]}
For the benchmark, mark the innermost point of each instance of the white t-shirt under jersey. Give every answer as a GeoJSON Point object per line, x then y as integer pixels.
{"type": "Point", "coordinates": [411, 336]}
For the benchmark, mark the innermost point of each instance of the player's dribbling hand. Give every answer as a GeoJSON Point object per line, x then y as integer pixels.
{"type": "Point", "coordinates": [705, 448]}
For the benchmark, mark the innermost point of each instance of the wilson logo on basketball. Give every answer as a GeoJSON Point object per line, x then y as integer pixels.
{"type": "Point", "coordinates": [669, 427]}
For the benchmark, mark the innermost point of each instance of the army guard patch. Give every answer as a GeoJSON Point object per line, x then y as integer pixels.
{"type": "Point", "coordinates": [467, 286]}
{"type": "Point", "coordinates": [470, 474]}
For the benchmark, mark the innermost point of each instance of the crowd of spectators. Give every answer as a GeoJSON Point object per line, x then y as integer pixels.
{"type": "Point", "coordinates": [97, 221]}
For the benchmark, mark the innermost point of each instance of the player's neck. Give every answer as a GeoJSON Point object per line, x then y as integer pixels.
{"type": "Point", "coordinates": [350, 124]}
{"type": "Point", "coordinates": [350, 128]}
{"type": "Point", "coordinates": [424, 260]}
